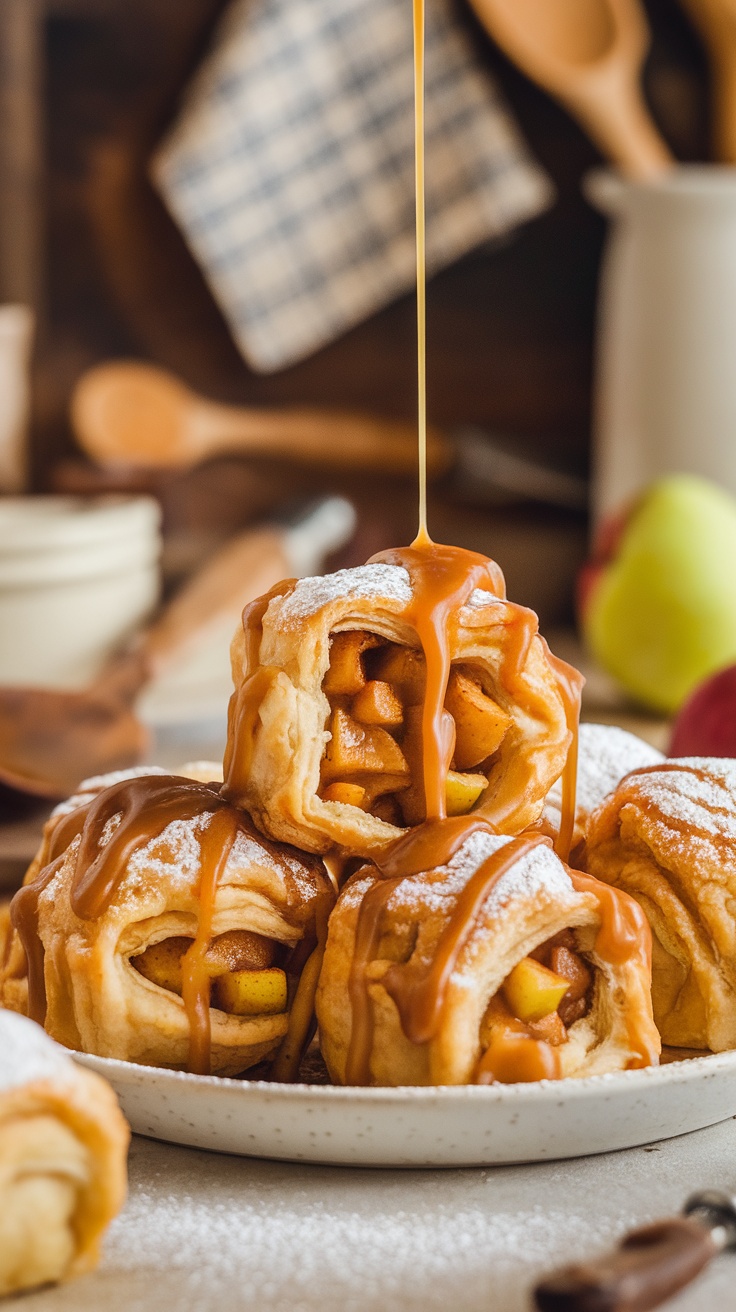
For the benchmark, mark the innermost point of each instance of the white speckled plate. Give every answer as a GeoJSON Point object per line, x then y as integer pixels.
{"type": "Point", "coordinates": [468, 1126]}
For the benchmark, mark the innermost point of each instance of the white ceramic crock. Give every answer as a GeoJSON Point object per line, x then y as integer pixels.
{"type": "Point", "coordinates": [666, 366]}
{"type": "Point", "coordinates": [77, 578]}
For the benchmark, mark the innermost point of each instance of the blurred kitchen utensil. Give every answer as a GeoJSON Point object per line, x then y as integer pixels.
{"type": "Point", "coordinates": [16, 332]}
{"type": "Point", "coordinates": [133, 413]}
{"type": "Point", "coordinates": [50, 741]}
{"type": "Point", "coordinates": [130, 413]}
{"type": "Point", "coordinates": [650, 1265]}
{"type": "Point", "coordinates": [716, 22]}
{"type": "Point", "coordinates": [589, 56]}
{"type": "Point", "coordinates": [78, 577]}
{"type": "Point", "coordinates": [665, 395]}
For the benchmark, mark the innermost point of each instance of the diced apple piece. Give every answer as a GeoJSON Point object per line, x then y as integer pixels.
{"type": "Point", "coordinates": [405, 669]}
{"type": "Point", "coordinates": [349, 794]}
{"type": "Point", "coordinates": [356, 748]}
{"type": "Point", "coordinates": [480, 724]}
{"type": "Point", "coordinates": [550, 1028]}
{"type": "Point", "coordinates": [240, 949]}
{"type": "Point", "coordinates": [377, 703]}
{"type": "Point", "coordinates": [462, 791]}
{"type": "Point", "coordinates": [532, 991]}
{"type": "Point", "coordinates": [161, 963]}
{"type": "Point", "coordinates": [568, 965]}
{"type": "Point", "coordinates": [346, 675]}
{"type": "Point", "coordinates": [251, 992]}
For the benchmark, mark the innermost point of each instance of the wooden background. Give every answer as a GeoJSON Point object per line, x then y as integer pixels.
{"type": "Point", "coordinates": [89, 88]}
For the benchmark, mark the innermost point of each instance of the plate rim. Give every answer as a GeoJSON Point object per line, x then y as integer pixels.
{"type": "Point", "coordinates": [686, 1069]}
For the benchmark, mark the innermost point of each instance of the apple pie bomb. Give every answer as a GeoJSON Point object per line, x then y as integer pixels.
{"type": "Point", "coordinates": [327, 725]}
{"type": "Point", "coordinates": [385, 856]}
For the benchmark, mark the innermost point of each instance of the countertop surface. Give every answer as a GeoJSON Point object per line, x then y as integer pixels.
{"type": "Point", "coordinates": [203, 1233]}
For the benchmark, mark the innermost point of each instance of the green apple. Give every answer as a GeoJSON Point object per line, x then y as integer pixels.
{"type": "Point", "coordinates": [660, 613]}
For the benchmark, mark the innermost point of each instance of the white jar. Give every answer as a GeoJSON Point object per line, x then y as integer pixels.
{"type": "Point", "coordinates": [78, 576]}
{"type": "Point", "coordinates": [666, 358]}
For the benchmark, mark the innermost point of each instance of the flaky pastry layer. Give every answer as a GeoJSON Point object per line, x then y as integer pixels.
{"type": "Point", "coordinates": [668, 837]}
{"type": "Point", "coordinates": [273, 768]}
{"type": "Point", "coordinates": [532, 902]}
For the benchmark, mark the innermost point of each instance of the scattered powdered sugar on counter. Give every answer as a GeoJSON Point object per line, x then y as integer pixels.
{"type": "Point", "coordinates": [381, 581]}
{"type": "Point", "coordinates": [27, 1053]}
{"type": "Point", "coordinates": [605, 754]}
{"type": "Point", "coordinates": [700, 792]}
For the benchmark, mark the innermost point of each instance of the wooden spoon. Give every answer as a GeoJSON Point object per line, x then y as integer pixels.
{"type": "Point", "coordinates": [125, 412]}
{"type": "Point", "coordinates": [716, 22]}
{"type": "Point", "coordinates": [588, 54]}
{"type": "Point", "coordinates": [51, 740]}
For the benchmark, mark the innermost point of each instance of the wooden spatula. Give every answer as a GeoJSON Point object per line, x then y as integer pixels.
{"type": "Point", "coordinates": [716, 22]}
{"type": "Point", "coordinates": [588, 54]}
{"type": "Point", "coordinates": [126, 412]}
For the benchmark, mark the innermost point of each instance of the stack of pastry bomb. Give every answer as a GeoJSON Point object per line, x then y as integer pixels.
{"type": "Point", "coordinates": [179, 922]}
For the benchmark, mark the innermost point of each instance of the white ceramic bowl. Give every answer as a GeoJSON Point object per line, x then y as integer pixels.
{"type": "Point", "coordinates": [77, 578]}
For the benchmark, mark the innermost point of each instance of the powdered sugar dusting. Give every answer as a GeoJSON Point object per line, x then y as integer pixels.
{"type": "Point", "coordinates": [700, 793]}
{"type": "Point", "coordinates": [389, 582]}
{"type": "Point", "coordinates": [480, 598]}
{"type": "Point", "coordinates": [28, 1054]}
{"type": "Point", "coordinates": [96, 783]}
{"type": "Point", "coordinates": [605, 754]}
{"type": "Point", "coordinates": [538, 871]}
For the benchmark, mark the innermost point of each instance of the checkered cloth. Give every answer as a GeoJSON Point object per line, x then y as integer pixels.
{"type": "Point", "coordinates": [291, 167]}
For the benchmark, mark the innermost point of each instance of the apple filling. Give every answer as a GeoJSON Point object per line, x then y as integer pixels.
{"type": "Point", "coordinates": [373, 760]}
{"type": "Point", "coordinates": [246, 980]}
{"type": "Point", "coordinates": [540, 999]}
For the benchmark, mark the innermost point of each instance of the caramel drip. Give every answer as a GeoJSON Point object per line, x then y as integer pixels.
{"type": "Point", "coordinates": [624, 935]}
{"type": "Point", "coordinates": [423, 535]}
{"type": "Point", "coordinates": [429, 845]}
{"type": "Point", "coordinates": [419, 992]}
{"type": "Point", "coordinates": [24, 919]}
{"type": "Point", "coordinates": [196, 980]}
{"type": "Point", "coordinates": [141, 808]}
{"type": "Point", "coordinates": [245, 702]}
{"type": "Point", "coordinates": [570, 686]}
{"type": "Point", "coordinates": [442, 580]}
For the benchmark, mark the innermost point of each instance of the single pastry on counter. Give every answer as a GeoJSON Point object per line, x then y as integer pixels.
{"type": "Point", "coordinates": [326, 733]}
{"type": "Point", "coordinates": [157, 926]}
{"type": "Point", "coordinates": [667, 835]}
{"type": "Point", "coordinates": [605, 754]}
{"type": "Point", "coordinates": [500, 964]}
{"type": "Point", "coordinates": [63, 1148]}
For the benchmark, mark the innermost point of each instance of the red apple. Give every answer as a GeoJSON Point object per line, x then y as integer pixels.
{"type": "Point", "coordinates": [706, 725]}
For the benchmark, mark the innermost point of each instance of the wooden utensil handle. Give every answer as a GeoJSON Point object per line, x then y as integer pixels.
{"type": "Point", "coordinates": [649, 1266]}
{"type": "Point", "coordinates": [341, 439]}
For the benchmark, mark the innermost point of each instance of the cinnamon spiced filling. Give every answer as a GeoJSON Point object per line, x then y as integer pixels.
{"type": "Point", "coordinates": [530, 1016]}
{"type": "Point", "coordinates": [245, 970]}
{"type": "Point", "coordinates": [373, 759]}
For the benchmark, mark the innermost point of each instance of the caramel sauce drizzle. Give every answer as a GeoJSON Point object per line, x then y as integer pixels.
{"type": "Point", "coordinates": [145, 805]}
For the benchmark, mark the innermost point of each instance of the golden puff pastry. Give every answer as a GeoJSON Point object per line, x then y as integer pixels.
{"type": "Point", "coordinates": [668, 836]}
{"type": "Point", "coordinates": [500, 965]}
{"type": "Point", "coordinates": [63, 1148]}
{"type": "Point", "coordinates": [158, 926]}
{"type": "Point", "coordinates": [325, 735]}
{"type": "Point", "coordinates": [605, 754]}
